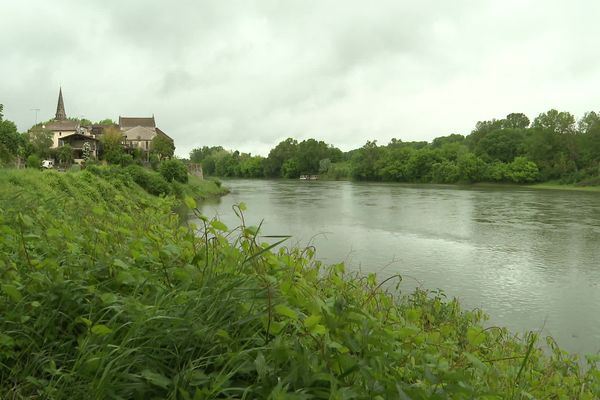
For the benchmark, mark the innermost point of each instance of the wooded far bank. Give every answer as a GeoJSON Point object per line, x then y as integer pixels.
{"type": "Point", "coordinates": [554, 147]}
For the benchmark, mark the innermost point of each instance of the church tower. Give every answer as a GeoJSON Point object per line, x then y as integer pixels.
{"type": "Point", "coordinates": [60, 108]}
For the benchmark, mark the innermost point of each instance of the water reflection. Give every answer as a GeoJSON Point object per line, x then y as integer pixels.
{"type": "Point", "coordinates": [527, 257]}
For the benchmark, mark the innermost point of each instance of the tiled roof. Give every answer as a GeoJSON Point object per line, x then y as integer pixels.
{"type": "Point", "coordinates": [62, 125]}
{"type": "Point", "coordinates": [130, 122]}
{"type": "Point", "coordinates": [78, 136]}
{"type": "Point", "coordinates": [162, 133]}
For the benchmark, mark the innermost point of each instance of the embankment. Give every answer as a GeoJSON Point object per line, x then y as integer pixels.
{"type": "Point", "coordinates": [104, 294]}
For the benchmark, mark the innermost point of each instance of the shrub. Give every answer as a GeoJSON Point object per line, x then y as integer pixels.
{"type": "Point", "coordinates": [33, 161]}
{"type": "Point", "coordinates": [521, 170]}
{"type": "Point", "coordinates": [174, 170]}
{"type": "Point", "coordinates": [151, 181]}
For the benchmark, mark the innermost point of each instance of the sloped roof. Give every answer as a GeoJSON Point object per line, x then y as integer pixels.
{"type": "Point", "coordinates": [131, 122]}
{"type": "Point", "coordinates": [140, 133]}
{"type": "Point", "coordinates": [160, 132]}
{"type": "Point", "coordinates": [62, 125]}
{"type": "Point", "coordinates": [75, 136]}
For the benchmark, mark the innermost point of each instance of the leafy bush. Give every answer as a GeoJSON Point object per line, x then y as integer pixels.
{"type": "Point", "coordinates": [174, 170]}
{"type": "Point", "coordinates": [152, 182]}
{"type": "Point", "coordinates": [521, 170]}
{"type": "Point", "coordinates": [34, 161]}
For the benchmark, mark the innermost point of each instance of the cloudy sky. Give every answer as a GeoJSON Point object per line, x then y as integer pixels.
{"type": "Point", "coordinates": [247, 74]}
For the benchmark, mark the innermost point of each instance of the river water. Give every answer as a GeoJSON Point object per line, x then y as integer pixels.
{"type": "Point", "coordinates": [529, 258]}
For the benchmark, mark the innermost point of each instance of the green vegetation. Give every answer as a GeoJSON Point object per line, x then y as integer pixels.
{"type": "Point", "coordinates": [156, 184]}
{"type": "Point", "coordinates": [510, 150]}
{"type": "Point", "coordinates": [105, 294]}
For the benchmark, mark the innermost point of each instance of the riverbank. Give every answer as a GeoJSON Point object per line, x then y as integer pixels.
{"type": "Point", "coordinates": [562, 186]}
{"type": "Point", "coordinates": [543, 186]}
{"type": "Point", "coordinates": [105, 294]}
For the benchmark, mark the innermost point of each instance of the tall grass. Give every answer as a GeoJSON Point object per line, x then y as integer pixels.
{"type": "Point", "coordinates": [106, 295]}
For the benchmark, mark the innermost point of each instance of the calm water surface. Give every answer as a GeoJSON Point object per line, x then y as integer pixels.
{"type": "Point", "coordinates": [529, 258]}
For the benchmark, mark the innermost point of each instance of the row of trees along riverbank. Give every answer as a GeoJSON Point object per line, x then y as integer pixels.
{"type": "Point", "coordinates": [554, 147]}
{"type": "Point", "coordinates": [104, 293]}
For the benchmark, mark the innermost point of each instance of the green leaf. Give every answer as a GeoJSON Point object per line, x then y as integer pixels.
{"type": "Point", "coordinates": [242, 206]}
{"type": "Point", "coordinates": [318, 330]}
{"type": "Point", "coordinates": [311, 321]}
{"type": "Point", "coordinates": [120, 264]}
{"type": "Point", "coordinates": [125, 278]}
{"type": "Point", "coordinates": [6, 341]}
{"type": "Point", "coordinates": [85, 321]}
{"type": "Point", "coordinates": [286, 312]}
{"type": "Point", "coordinates": [413, 314]}
{"type": "Point", "coordinates": [12, 291]}
{"type": "Point", "coordinates": [477, 363]}
{"type": "Point", "coordinates": [222, 333]}
{"type": "Point", "coordinates": [156, 379]}
{"type": "Point", "coordinates": [475, 336]}
{"type": "Point", "coordinates": [218, 225]}
{"type": "Point", "coordinates": [261, 365]}
{"type": "Point", "coordinates": [190, 202]}
{"type": "Point", "coordinates": [101, 330]}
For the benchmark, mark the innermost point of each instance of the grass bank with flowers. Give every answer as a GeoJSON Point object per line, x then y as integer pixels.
{"type": "Point", "coordinates": [104, 293]}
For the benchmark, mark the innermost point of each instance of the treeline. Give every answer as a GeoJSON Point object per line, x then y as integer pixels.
{"type": "Point", "coordinates": [554, 147]}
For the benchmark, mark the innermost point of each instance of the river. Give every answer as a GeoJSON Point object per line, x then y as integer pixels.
{"type": "Point", "coordinates": [529, 258]}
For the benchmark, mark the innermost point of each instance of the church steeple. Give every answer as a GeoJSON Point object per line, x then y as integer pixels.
{"type": "Point", "coordinates": [60, 108]}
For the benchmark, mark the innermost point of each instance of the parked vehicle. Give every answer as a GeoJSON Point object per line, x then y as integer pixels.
{"type": "Point", "coordinates": [48, 164]}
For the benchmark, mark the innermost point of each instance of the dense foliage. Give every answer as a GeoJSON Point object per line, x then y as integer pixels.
{"type": "Point", "coordinates": [174, 170]}
{"type": "Point", "coordinates": [104, 293]}
{"type": "Point", "coordinates": [551, 148]}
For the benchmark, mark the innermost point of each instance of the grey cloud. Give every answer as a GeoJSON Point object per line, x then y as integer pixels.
{"type": "Point", "coordinates": [246, 74]}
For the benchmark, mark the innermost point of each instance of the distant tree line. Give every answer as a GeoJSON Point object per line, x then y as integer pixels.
{"type": "Point", "coordinates": [554, 147]}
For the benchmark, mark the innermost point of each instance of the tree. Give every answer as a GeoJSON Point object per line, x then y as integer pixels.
{"type": "Point", "coordinates": [587, 122]}
{"type": "Point", "coordinates": [199, 154]}
{"type": "Point", "coordinates": [106, 121]}
{"type": "Point", "coordinates": [41, 141]}
{"type": "Point", "coordinates": [112, 145]}
{"type": "Point", "coordinates": [285, 150]}
{"type": "Point", "coordinates": [443, 140]}
{"type": "Point", "coordinates": [33, 161]}
{"type": "Point", "coordinates": [162, 146]}
{"type": "Point", "coordinates": [65, 154]}
{"type": "Point", "coordinates": [471, 168]}
{"type": "Point", "coordinates": [174, 170]}
{"type": "Point", "coordinates": [501, 145]}
{"type": "Point", "coordinates": [558, 122]}
{"type": "Point", "coordinates": [364, 161]}
{"type": "Point", "coordinates": [9, 139]}
{"type": "Point", "coordinates": [515, 121]}
{"type": "Point", "coordinates": [521, 170]}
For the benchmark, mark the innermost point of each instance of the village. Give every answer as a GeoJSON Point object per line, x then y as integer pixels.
{"type": "Point", "coordinates": [75, 141]}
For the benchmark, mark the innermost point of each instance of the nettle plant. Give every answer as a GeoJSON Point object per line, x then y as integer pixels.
{"type": "Point", "coordinates": [106, 293]}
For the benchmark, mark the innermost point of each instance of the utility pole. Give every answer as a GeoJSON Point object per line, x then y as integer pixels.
{"type": "Point", "coordinates": [36, 114]}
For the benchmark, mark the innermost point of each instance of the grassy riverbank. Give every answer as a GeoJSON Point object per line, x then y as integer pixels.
{"type": "Point", "coordinates": [104, 294]}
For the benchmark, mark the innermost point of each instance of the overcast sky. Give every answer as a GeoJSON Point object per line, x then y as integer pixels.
{"type": "Point", "coordinates": [247, 74]}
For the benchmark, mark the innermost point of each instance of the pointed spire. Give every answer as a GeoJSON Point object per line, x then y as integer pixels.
{"type": "Point", "coordinates": [60, 108]}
